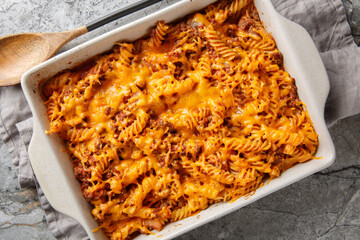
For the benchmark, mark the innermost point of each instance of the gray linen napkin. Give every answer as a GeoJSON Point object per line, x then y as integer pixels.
{"type": "Point", "coordinates": [325, 20]}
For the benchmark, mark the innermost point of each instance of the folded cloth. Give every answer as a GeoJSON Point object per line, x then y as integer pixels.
{"type": "Point", "coordinates": [326, 22]}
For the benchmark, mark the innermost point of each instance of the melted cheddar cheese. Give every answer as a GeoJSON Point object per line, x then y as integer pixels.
{"type": "Point", "coordinates": [201, 111]}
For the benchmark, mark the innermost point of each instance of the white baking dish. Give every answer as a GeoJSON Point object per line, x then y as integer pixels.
{"type": "Point", "coordinates": [53, 168]}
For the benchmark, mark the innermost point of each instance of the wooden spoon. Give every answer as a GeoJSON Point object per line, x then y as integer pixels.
{"type": "Point", "coordinates": [20, 52]}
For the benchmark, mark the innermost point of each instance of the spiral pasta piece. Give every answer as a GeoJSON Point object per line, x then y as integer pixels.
{"type": "Point", "coordinates": [219, 45]}
{"type": "Point", "coordinates": [126, 53]}
{"type": "Point", "coordinates": [159, 33]}
{"type": "Point", "coordinates": [236, 6]}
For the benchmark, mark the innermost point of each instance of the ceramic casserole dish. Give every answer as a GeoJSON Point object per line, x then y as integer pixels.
{"type": "Point", "coordinates": [53, 168]}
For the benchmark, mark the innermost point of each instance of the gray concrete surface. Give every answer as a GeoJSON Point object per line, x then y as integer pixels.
{"type": "Point", "coordinates": [352, 9]}
{"type": "Point", "coordinates": [325, 205]}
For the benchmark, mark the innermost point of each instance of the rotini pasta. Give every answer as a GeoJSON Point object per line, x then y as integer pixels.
{"type": "Point", "coordinates": [201, 111]}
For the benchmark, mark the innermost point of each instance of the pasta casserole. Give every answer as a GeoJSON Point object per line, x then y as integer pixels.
{"type": "Point", "coordinates": [201, 111]}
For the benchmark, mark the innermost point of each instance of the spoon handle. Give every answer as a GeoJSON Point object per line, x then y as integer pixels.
{"type": "Point", "coordinates": [120, 13]}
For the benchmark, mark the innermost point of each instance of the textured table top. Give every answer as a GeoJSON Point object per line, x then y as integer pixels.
{"type": "Point", "coordinates": [325, 205]}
